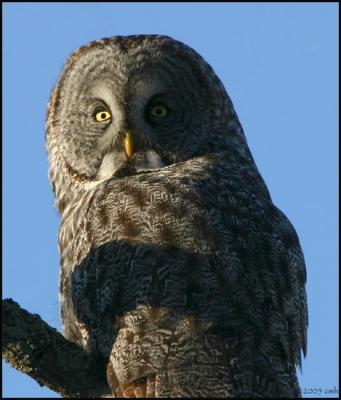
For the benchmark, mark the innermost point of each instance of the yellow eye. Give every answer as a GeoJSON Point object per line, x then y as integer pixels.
{"type": "Point", "coordinates": [159, 110]}
{"type": "Point", "coordinates": [102, 116]}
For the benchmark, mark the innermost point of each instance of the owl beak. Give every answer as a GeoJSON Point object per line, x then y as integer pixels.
{"type": "Point", "coordinates": [128, 143]}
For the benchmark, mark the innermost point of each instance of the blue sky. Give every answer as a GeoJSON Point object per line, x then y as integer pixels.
{"type": "Point", "coordinates": [279, 63]}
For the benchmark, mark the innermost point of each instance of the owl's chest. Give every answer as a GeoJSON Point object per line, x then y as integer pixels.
{"type": "Point", "coordinates": [160, 246]}
{"type": "Point", "coordinates": [149, 246]}
{"type": "Point", "coordinates": [158, 214]}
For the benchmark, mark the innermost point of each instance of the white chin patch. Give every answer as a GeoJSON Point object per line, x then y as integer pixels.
{"type": "Point", "coordinates": [148, 161]}
{"type": "Point", "coordinates": [109, 165]}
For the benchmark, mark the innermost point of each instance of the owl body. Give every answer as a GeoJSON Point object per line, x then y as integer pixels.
{"type": "Point", "coordinates": [177, 270]}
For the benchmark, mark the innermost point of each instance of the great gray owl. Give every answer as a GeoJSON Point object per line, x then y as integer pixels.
{"type": "Point", "coordinates": [177, 271]}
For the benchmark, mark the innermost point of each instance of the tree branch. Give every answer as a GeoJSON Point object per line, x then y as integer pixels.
{"type": "Point", "coordinates": [31, 346]}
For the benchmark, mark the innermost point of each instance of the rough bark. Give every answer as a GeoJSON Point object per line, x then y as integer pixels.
{"type": "Point", "coordinates": [34, 348]}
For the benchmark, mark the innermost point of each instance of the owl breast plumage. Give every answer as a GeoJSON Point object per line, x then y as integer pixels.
{"type": "Point", "coordinates": [177, 271]}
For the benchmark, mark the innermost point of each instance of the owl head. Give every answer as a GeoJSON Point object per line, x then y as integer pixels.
{"type": "Point", "coordinates": [135, 103]}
